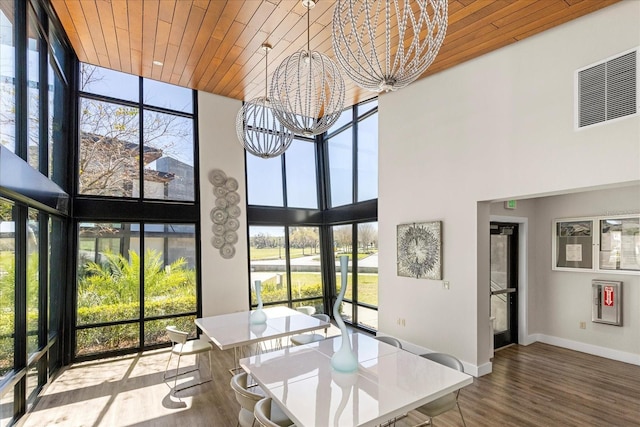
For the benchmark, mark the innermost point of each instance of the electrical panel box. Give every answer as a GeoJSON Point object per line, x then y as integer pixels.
{"type": "Point", "coordinates": [607, 302]}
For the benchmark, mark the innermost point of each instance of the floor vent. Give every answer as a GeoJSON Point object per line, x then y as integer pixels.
{"type": "Point", "coordinates": [607, 90]}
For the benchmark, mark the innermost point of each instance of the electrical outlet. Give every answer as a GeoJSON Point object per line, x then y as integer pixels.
{"type": "Point", "coordinates": [583, 325]}
{"type": "Point", "coordinates": [445, 285]}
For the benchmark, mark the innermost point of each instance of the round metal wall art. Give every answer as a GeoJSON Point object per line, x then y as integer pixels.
{"type": "Point", "coordinates": [224, 215]}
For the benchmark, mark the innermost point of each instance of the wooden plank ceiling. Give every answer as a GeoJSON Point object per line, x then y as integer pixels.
{"type": "Point", "coordinates": [214, 46]}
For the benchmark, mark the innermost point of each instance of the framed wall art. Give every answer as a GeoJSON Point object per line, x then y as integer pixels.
{"type": "Point", "coordinates": [420, 250]}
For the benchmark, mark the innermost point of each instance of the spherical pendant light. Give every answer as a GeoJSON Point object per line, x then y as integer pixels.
{"type": "Point", "coordinates": [257, 126]}
{"type": "Point", "coordinates": [381, 62]}
{"type": "Point", "coordinates": [308, 90]}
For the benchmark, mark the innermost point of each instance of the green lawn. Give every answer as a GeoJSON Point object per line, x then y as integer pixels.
{"type": "Point", "coordinates": [278, 253]}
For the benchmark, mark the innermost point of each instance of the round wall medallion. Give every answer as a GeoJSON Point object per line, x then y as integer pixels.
{"type": "Point", "coordinates": [219, 229]}
{"type": "Point", "coordinates": [217, 177]}
{"type": "Point", "coordinates": [219, 191]}
{"type": "Point", "coordinates": [221, 202]}
{"type": "Point", "coordinates": [219, 216]}
{"type": "Point", "coordinates": [217, 242]}
{"type": "Point", "coordinates": [232, 224]}
{"type": "Point", "coordinates": [233, 198]}
{"type": "Point", "coordinates": [227, 251]}
{"type": "Point", "coordinates": [231, 237]}
{"type": "Point", "coordinates": [231, 184]}
{"type": "Point", "coordinates": [233, 211]}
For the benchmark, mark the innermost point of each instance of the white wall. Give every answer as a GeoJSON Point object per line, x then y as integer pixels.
{"type": "Point", "coordinates": [564, 298]}
{"type": "Point", "coordinates": [497, 127]}
{"type": "Point", "coordinates": [557, 301]}
{"type": "Point", "coordinates": [224, 281]}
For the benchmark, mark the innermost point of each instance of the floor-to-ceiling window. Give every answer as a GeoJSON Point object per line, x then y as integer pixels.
{"type": "Point", "coordinates": [34, 203]}
{"type": "Point", "coordinates": [311, 205]}
{"type": "Point", "coordinates": [351, 177]}
{"type": "Point", "coordinates": [136, 215]}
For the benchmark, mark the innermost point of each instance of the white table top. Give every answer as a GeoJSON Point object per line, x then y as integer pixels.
{"type": "Point", "coordinates": [236, 330]}
{"type": "Point", "coordinates": [389, 382]}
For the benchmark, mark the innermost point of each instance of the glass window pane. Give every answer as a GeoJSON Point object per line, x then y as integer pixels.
{"type": "Point", "coordinates": [168, 157]}
{"type": "Point", "coordinates": [267, 258]}
{"type": "Point", "coordinates": [343, 245]}
{"type": "Point", "coordinates": [7, 286]}
{"type": "Point", "coordinates": [368, 158]}
{"type": "Point", "coordinates": [57, 258]}
{"type": "Point", "coordinates": [57, 48]}
{"type": "Point", "coordinates": [155, 330]}
{"type": "Point", "coordinates": [169, 271]}
{"type": "Point", "coordinates": [317, 304]}
{"type": "Point", "coordinates": [302, 187]}
{"type": "Point", "coordinates": [33, 282]}
{"type": "Point", "coordinates": [7, 76]}
{"type": "Point", "coordinates": [109, 281]}
{"type": "Point", "coordinates": [109, 149]}
{"type": "Point", "coordinates": [366, 107]}
{"type": "Point", "coordinates": [368, 263]}
{"type": "Point", "coordinates": [56, 130]}
{"type": "Point", "coordinates": [341, 169]}
{"type": "Point", "coordinates": [106, 338]}
{"type": "Point", "coordinates": [304, 249]}
{"type": "Point", "coordinates": [167, 96]}
{"type": "Point", "coordinates": [102, 81]}
{"type": "Point", "coordinates": [33, 95]}
{"type": "Point", "coordinates": [367, 317]}
{"type": "Point", "coordinates": [264, 181]}
{"type": "Point", "coordinates": [345, 117]}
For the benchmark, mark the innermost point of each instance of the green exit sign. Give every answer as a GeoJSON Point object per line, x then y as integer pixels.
{"type": "Point", "coordinates": [510, 204]}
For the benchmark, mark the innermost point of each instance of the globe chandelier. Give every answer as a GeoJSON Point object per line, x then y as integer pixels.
{"type": "Point", "coordinates": [257, 126]}
{"type": "Point", "coordinates": [308, 89]}
{"type": "Point", "coordinates": [413, 33]}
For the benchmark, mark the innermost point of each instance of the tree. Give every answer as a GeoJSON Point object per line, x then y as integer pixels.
{"type": "Point", "coordinates": [110, 151]}
{"type": "Point", "coordinates": [342, 237]}
{"type": "Point", "coordinates": [367, 236]}
{"type": "Point", "coordinates": [304, 237]}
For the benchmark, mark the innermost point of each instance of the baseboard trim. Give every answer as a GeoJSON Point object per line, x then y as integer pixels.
{"type": "Point", "coordinates": [621, 356]}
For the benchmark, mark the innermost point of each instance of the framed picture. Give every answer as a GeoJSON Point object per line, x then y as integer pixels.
{"type": "Point", "coordinates": [420, 250]}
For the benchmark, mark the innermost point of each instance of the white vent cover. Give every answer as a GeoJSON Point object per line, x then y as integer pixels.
{"type": "Point", "coordinates": [607, 90]}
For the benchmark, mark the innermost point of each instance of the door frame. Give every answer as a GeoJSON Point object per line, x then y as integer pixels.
{"type": "Point", "coordinates": [523, 285]}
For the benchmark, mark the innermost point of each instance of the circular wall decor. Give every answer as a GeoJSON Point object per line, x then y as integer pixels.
{"type": "Point", "coordinates": [227, 251]}
{"type": "Point", "coordinates": [225, 214]}
{"type": "Point", "coordinates": [217, 177]}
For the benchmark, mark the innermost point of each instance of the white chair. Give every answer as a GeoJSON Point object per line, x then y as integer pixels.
{"type": "Point", "coordinates": [302, 339]}
{"type": "Point", "coordinates": [184, 347]}
{"type": "Point", "coordinates": [268, 414]}
{"type": "Point", "coordinates": [445, 403]}
{"type": "Point", "coordinates": [389, 340]}
{"type": "Point", "coordinates": [246, 398]}
{"type": "Point", "coordinates": [306, 309]}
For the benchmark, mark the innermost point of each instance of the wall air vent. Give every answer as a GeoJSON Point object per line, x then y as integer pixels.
{"type": "Point", "coordinates": [607, 90]}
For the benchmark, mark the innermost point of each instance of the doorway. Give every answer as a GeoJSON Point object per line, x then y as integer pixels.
{"type": "Point", "coordinates": [504, 283]}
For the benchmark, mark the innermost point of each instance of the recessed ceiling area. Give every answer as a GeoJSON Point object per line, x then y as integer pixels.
{"type": "Point", "coordinates": [214, 46]}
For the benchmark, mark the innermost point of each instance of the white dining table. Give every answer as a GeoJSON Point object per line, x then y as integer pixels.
{"type": "Point", "coordinates": [388, 383]}
{"type": "Point", "coordinates": [235, 330]}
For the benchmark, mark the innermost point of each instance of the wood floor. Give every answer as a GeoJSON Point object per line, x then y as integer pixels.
{"type": "Point", "coordinates": [536, 385]}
